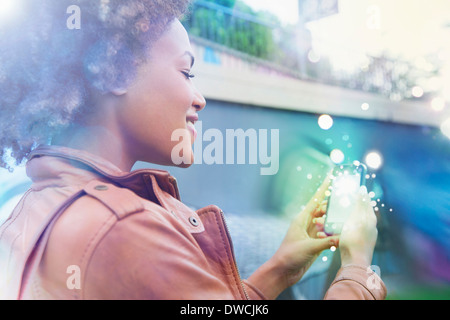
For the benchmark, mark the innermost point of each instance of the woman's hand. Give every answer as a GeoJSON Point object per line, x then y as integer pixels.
{"type": "Point", "coordinates": [305, 238]}
{"type": "Point", "coordinates": [359, 234]}
{"type": "Point", "coordinates": [303, 242]}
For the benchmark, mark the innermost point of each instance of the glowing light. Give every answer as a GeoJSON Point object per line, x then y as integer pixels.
{"type": "Point", "coordinates": [345, 202]}
{"type": "Point", "coordinates": [324, 259]}
{"type": "Point", "coordinates": [374, 160]}
{"type": "Point", "coordinates": [6, 6]}
{"type": "Point", "coordinates": [325, 122]}
{"type": "Point", "coordinates": [333, 248]}
{"type": "Point", "coordinates": [8, 9]}
{"type": "Point", "coordinates": [346, 185]}
{"type": "Point", "coordinates": [423, 64]}
{"type": "Point", "coordinates": [365, 106]}
{"type": "Point", "coordinates": [417, 92]}
{"type": "Point", "coordinates": [438, 104]}
{"type": "Point", "coordinates": [434, 84]}
{"type": "Point", "coordinates": [313, 56]}
{"type": "Point", "coordinates": [445, 127]}
{"type": "Point", "coordinates": [337, 156]}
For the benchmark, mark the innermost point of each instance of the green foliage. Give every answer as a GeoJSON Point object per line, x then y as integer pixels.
{"type": "Point", "coordinates": [220, 27]}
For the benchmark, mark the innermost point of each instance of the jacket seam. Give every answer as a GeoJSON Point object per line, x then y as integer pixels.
{"type": "Point", "coordinates": [91, 246]}
{"type": "Point", "coordinates": [236, 281]}
{"type": "Point", "coordinates": [11, 251]}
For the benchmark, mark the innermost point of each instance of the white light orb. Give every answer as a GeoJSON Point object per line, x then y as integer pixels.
{"type": "Point", "coordinates": [374, 160]}
{"type": "Point", "coordinates": [313, 56]}
{"type": "Point", "coordinates": [417, 92]}
{"type": "Point", "coordinates": [337, 156]}
{"type": "Point", "coordinates": [325, 122]}
{"type": "Point", "coordinates": [365, 106]}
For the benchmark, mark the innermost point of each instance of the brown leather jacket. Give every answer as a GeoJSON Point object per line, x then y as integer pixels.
{"type": "Point", "coordinates": [87, 230]}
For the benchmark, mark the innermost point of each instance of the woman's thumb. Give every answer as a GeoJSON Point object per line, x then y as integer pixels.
{"type": "Point", "coordinates": [318, 245]}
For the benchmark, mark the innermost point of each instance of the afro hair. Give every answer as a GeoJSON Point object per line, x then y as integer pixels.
{"type": "Point", "coordinates": [49, 71]}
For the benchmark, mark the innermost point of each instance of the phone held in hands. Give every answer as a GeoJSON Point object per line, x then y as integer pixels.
{"type": "Point", "coordinates": [346, 181]}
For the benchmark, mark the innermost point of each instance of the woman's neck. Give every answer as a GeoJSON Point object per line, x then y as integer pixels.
{"type": "Point", "coordinates": [98, 140]}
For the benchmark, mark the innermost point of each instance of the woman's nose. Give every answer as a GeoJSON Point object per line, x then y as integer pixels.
{"type": "Point", "coordinates": [199, 101]}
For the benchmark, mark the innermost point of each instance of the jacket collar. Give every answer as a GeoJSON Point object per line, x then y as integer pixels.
{"type": "Point", "coordinates": [63, 166]}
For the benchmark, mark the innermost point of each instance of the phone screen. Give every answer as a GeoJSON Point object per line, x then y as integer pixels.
{"type": "Point", "coordinates": [344, 192]}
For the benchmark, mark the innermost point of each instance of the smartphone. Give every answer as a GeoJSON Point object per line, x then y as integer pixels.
{"type": "Point", "coordinates": [346, 180]}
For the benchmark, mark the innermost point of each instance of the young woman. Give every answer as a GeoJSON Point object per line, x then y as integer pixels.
{"type": "Point", "coordinates": [82, 106]}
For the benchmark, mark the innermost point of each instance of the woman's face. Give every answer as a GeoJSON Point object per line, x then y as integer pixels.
{"type": "Point", "coordinates": [162, 102]}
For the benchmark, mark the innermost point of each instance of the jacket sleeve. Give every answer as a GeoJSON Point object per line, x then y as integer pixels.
{"type": "Point", "coordinates": [354, 282]}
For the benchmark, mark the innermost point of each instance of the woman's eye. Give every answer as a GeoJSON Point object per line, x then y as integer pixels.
{"type": "Point", "coordinates": [188, 74]}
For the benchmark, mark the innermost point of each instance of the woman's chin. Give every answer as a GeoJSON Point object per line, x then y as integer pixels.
{"type": "Point", "coordinates": [187, 164]}
{"type": "Point", "coordinates": [181, 162]}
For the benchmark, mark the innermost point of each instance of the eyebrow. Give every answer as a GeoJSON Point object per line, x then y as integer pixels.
{"type": "Point", "coordinates": [189, 54]}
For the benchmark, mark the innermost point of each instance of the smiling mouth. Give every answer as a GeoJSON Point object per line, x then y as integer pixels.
{"type": "Point", "coordinates": [191, 125]}
{"type": "Point", "coordinates": [192, 118]}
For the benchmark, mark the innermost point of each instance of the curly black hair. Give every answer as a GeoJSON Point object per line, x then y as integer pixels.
{"type": "Point", "coordinates": [49, 70]}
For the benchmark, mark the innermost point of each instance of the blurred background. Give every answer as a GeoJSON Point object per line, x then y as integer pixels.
{"type": "Point", "coordinates": [342, 81]}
